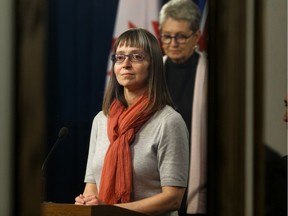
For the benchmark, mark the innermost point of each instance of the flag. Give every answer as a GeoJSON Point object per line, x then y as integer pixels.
{"type": "Point", "coordinates": [203, 41]}
{"type": "Point", "coordinates": [132, 14]}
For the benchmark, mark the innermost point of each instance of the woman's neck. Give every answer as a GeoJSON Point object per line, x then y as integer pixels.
{"type": "Point", "coordinates": [132, 97]}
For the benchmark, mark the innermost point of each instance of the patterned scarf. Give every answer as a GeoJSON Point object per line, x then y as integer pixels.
{"type": "Point", "coordinates": [123, 124]}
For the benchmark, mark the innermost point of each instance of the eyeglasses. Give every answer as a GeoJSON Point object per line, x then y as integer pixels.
{"type": "Point", "coordinates": [133, 57]}
{"type": "Point", "coordinates": [179, 38]}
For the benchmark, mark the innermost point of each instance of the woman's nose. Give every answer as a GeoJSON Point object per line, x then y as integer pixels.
{"type": "Point", "coordinates": [126, 63]}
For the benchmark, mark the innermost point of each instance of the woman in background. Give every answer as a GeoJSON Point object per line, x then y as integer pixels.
{"type": "Point", "coordinates": [186, 73]}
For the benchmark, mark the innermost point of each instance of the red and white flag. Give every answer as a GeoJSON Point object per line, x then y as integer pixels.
{"type": "Point", "coordinates": [203, 41]}
{"type": "Point", "coordinates": [132, 14]}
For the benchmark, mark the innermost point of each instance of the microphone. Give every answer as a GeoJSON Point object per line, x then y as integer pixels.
{"type": "Point", "coordinates": [61, 135]}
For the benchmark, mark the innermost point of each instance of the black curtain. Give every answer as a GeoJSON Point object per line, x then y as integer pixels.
{"type": "Point", "coordinates": [78, 45]}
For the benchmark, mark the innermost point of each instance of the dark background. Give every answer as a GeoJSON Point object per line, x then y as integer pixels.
{"type": "Point", "coordinates": [78, 44]}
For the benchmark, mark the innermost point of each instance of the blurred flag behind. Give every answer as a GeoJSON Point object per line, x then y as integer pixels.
{"type": "Point", "coordinates": [203, 42]}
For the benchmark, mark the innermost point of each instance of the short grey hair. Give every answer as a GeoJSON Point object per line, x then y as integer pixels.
{"type": "Point", "coordinates": [181, 10]}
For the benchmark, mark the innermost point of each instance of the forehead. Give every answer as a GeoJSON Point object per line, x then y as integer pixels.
{"type": "Point", "coordinates": [174, 26]}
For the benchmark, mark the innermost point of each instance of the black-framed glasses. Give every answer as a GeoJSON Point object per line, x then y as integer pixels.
{"type": "Point", "coordinates": [179, 38]}
{"type": "Point", "coordinates": [133, 57]}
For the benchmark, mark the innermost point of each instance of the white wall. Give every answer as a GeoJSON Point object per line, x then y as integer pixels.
{"type": "Point", "coordinates": [5, 106]}
{"type": "Point", "coordinates": [275, 64]}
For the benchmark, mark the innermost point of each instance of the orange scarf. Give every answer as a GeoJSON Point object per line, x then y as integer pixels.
{"type": "Point", "coordinates": [123, 124]}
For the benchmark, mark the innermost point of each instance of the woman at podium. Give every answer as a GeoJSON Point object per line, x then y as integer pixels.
{"type": "Point", "coordinates": [138, 153]}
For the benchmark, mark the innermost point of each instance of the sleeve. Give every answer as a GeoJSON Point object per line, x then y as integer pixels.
{"type": "Point", "coordinates": [89, 177]}
{"type": "Point", "coordinates": [173, 152]}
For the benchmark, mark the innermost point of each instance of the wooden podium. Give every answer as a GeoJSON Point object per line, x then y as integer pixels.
{"type": "Point", "coordinates": [52, 209]}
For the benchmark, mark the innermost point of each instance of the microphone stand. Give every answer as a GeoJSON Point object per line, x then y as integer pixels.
{"type": "Point", "coordinates": [62, 134]}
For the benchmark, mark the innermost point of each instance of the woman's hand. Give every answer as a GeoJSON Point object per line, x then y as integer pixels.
{"type": "Point", "coordinates": [87, 200]}
{"type": "Point", "coordinates": [89, 196]}
{"type": "Point", "coordinates": [79, 200]}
